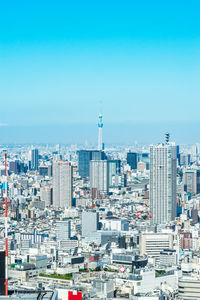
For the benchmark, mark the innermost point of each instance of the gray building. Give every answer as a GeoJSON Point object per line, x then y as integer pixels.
{"type": "Point", "coordinates": [46, 195]}
{"type": "Point", "coordinates": [191, 180]}
{"type": "Point", "coordinates": [90, 222]}
{"type": "Point", "coordinates": [113, 170]}
{"type": "Point", "coordinates": [62, 184]}
{"type": "Point", "coordinates": [163, 164]}
{"type": "Point", "coordinates": [99, 175]}
{"type": "Point", "coordinates": [63, 230]}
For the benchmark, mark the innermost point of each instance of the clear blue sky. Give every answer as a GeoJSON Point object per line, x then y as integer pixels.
{"type": "Point", "coordinates": [58, 59]}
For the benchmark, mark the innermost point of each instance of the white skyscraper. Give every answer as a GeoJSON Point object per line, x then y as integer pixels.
{"type": "Point", "coordinates": [62, 184]}
{"type": "Point", "coordinates": [99, 175]}
{"type": "Point", "coordinates": [163, 163]}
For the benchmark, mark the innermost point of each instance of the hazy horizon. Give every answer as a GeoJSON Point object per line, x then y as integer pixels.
{"type": "Point", "coordinates": [113, 133]}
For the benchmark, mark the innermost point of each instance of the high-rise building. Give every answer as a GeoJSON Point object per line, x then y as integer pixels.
{"type": "Point", "coordinates": [63, 230]}
{"type": "Point", "coordinates": [46, 195]}
{"type": "Point", "coordinates": [15, 166]}
{"type": "Point", "coordinates": [62, 184]}
{"type": "Point", "coordinates": [163, 164]}
{"type": "Point", "coordinates": [98, 155]}
{"type": "Point", "coordinates": [113, 170]}
{"type": "Point", "coordinates": [191, 180]}
{"type": "Point", "coordinates": [99, 175]}
{"type": "Point", "coordinates": [132, 160]}
{"type": "Point", "coordinates": [144, 157]}
{"type": "Point", "coordinates": [84, 158]}
{"type": "Point", "coordinates": [45, 170]}
{"type": "Point", "coordinates": [34, 159]}
{"type": "Point", "coordinates": [90, 222]}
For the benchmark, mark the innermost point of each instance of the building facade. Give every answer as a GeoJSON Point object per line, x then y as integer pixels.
{"type": "Point", "coordinates": [84, 158]}
{"type": "Point", "coordinates": [34, 159]}
{"type": "Point", "coordinates": [132, 160]}
{"type": "Point", "coordinates": [191, 180]}
{"type": "Point", "coordinates": [99, 178]}
{"type": "Point", "coordinates": [163, 164]}
{"type": "Point", "coordinates": [62, 184]}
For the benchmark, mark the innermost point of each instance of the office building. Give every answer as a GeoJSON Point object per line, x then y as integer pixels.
{"type": "Point", "coordinates": [114, 167]}
{"type": "Point", "coordinates": [189, 288]}
{"type": "Point", "coordinates": [154, 243]}
{"type": "Point", "coordinates": [168, 257]}
{"type": "Point", "coordinates": [191, 180]}
{"type": "Point", "coordinates": [45, 170]}
{"type": "Point", "coordinates": [84, 158]}
{"type": "Point", "coordinates": [163, 162]}
{"type": "Point", "coordinates": [90, 222]}
{"type": "Point", "coordinates": [99, 175]}
{"type": "Point", "coordinates": [34, 159]}
{"type": "Point", "coordinates": [15, 167]}
{"type": "Point", "coordinates": [132, 160]}
{"type": "Point", "coordinates": [63, 230]}
{"type": "Point", "coordinates": [62, 184]}
{"type": "Point", "coordinates": [143, 157]}
{"type": "Point", "coordinates": [46, 195]}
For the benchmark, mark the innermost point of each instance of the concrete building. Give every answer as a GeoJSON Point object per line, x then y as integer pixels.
{"type": "Point", "coordinates": [46, 195]}
{"type": "Point", "coordinates": [116, 224]}
{"type": "Point", "coordinates": [163, 164]}
{"type": "Point", "coordinates": [63, 230]}
{"type": "Point", "coordinates": [90, 222]}
{"type": "Point", "coordinates": [99, 178]}
{"type": "Point", "coordinates": [62, 184]}
{"type": "Point", "coordinates": [189, 288]}
{"type": "Point", "coordinates": [113, 170]}
{"type": "Point", "coordinates": [168, 257]}
{"type": "Point", "coordinates": [191, 180]}
{"type": "Point", "coordinates": [153, 244]}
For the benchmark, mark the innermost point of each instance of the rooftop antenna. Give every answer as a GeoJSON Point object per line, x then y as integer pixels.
{"type": "Point", "coordinates": [167, 136]}
{"type": "Point", "coordinates": [6, 229]}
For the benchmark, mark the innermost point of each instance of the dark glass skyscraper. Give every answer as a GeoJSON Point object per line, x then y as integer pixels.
{"type": "Point", "coordinates": [34, 159]}
{"type": "Point", "coordinates": [84, 163]}
{"type": "Point", "coordinates": [84, 158]}
{"type": "Point", "coordinates": [132, 160]}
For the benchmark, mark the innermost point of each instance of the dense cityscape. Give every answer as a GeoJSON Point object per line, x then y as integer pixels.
{"type": "Point", "coordinates": [99, 150]}
{"type": "Point", "coordinates": [101, 223]}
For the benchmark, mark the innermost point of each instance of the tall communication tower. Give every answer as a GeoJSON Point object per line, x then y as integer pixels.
{"type": "Point", "coordinates": [6, 228]}
{"type": "Point", "coordinates": [100, 127]}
